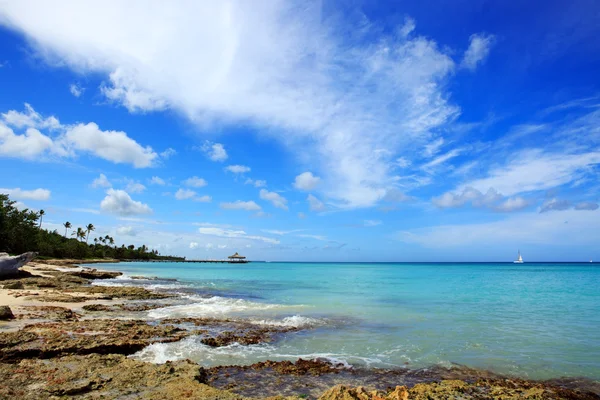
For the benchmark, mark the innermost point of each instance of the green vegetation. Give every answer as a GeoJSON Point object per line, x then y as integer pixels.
{"type": "Point", "coordinates": [21, 231]}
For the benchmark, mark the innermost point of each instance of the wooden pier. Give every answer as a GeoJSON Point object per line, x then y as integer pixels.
{"type": "Point", "coordinates": [199, 261]}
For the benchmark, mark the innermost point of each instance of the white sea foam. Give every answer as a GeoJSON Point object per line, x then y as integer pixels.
{"type": "Point", "coordinates": [236, 354]}
{"type": "Point", "coordinates": [126, 282]}
{"type": "Point", "coordinates": [211, 306]}
{"type": "Point", "coordinates": [296, 321]}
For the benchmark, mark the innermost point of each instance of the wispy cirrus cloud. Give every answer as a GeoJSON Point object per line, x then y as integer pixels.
{"type": "Point", "coordinates": [239, 234]}
{"type": "Point", "coordinates": [395, 85]}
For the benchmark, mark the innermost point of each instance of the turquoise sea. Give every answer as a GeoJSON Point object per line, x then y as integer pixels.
{"type": "Point", "coordinates": [534, 320]}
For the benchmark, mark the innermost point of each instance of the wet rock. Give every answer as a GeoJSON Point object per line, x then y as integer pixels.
{"type": "Point", "coordinates": [129, 293]}
{"type": "Point", "coordinates": [5, 313]}
{"type": "Point", "coordinates": [244, 337]}
{"type": "Point", "coordinates": [47, 340]}
{"type": "Point", "coordinates": [300, 367]}
{"type": "Point", "coordinates": [123, 307]}
{"type": "Point", "coordinates": [95, 274]}
{"type": "Point", "coordinates": [105, 376]}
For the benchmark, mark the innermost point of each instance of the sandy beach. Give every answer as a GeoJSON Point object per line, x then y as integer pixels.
{"type": "Point", "coordinates": [69, 338]}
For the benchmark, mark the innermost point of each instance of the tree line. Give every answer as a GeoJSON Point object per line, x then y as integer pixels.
{"type": "Point", "coordinates": [21, 231]}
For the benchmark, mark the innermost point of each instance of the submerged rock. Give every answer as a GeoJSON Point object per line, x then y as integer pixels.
{"type": "Point", "coordinates": [93, 273]}
{"type": "Point", "coordinates": [6, 313]}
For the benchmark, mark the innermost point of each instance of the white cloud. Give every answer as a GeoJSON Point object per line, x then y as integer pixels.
{"type": "Point", "coordinates": [226, 233]}
{"type": "Point", "coordinates": [370, 222]}
{"type": "Point", "coordinates": [241, 205]}
{"type": "Point", "coordinates": [478, 50]}
{"type": "Point", "coordinates": [306, 181]}
{"type": "Point", "coordinates": [275, 198]}
{"type": "Point", "coordinates": [468, 195]}
{"type": "Point", "coordinates": [281, 68]}
{"type": "Point", "coordinates": [214, 151]}
{"type": "Point", "coordinates": [194, 181]}
{"type": "Point", "coordinates": [135, 187]}
{"type": "Point", "coordinates": [193, 245]}
{"type": "Point", "coordinates": [491, 199]}
{"type": "Point", "coordinates": [126, 231]}
{"type": "Point", "coordinates": [19, 194]}
{"type": "Point", "coordinates": [101, 182]}
{"type": "Point", "coordinates": [555, 205]}
{"type": "Point", "coordinates": [120, 203]}
{"type": "Point", "coordinates": [184, 194]}
{"type": "Point", "coordinates": [76, 90]}
{"type": "Point", "coordinates": [257, 183]}
{"type": "Point", "coordinates": [315, 204]}
{"type": "Point", "coordinates": [29, 119]}
{"type": "Point", "coordinates": [168, 153]}
{"type": "Point", "coordinates": [512, 204]}
{"type": "Point", "coordinates": [155, 180]}
{"type": "Point", "coordinates": [28, 145]}
{"type": "Point", "coordinates": [301, 215]}
{"type": "Point", "coordinates": [113, 146]}
{"type": "Point", "coordinates": [533, 170]}
{"type": "Point", "coordinates": [586, 205]}
{"type": "Point", "coordinates": [237, 169]}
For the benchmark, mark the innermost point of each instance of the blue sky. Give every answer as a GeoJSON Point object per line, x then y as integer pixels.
{"type": "Point", "coordinates": [334, 131]}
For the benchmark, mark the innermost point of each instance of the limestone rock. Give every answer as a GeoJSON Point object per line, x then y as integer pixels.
{"type": "Point", "coordinates": [6, 313]}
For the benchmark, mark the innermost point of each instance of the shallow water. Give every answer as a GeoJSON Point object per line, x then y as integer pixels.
{"type": "Point", "coordinates": [533, 320]}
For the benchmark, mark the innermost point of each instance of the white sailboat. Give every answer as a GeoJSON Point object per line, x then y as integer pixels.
{"type": "Point", "coordinates": [519, 259]}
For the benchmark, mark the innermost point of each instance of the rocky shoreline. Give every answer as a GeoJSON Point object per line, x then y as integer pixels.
{"type": "Point", "coordinates": [63, 337]}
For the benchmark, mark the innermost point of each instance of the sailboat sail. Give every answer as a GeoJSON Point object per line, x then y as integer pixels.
{"type": "Point", "coordinates": [519, 259]}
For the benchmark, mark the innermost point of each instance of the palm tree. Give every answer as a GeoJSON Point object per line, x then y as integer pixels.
{"type": "Point", "coordinates": [42, 212]}
{"type": "Point", "coordinates": [79, 234]}
{"type": "Point", "coordinates": [67, 226]}
{"type": "Point", "coordinates": [89, 228]}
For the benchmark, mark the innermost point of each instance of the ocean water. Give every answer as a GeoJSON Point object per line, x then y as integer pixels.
{"type": "Point", "coordinates": [534, 320]}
